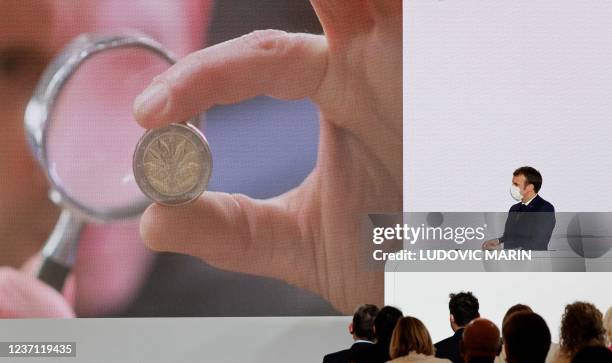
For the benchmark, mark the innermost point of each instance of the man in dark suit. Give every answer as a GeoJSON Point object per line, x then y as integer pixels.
{"type": "Point", "coordinates": [464, 308]}
{"type": "Point", "coordinates": [384, 323]}
{"type": "Point", "coordinates": [531, 221]}
{"type": "Point", "coordinates": [362, 330]}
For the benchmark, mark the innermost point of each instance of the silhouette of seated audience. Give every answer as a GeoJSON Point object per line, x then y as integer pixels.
{"type": "Point", "coordinates": [385, 336]}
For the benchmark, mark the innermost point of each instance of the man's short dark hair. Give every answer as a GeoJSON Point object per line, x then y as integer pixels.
{"type": "Point", "coordinates": [533, 176]}
{"type": "Point", "coordinates": [385, 322]}
{"type": "Point", "coordinates": [363, 321]}
{"type": "Point", "coordinates": [464, 307]}
{"type": "Point", "coordinates": [526, 338]}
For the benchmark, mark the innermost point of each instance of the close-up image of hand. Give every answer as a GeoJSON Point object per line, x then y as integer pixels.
{"type": "Point", "coordinates": [310, 236]}
{"type": "Point", "coordinates": [25, 296]}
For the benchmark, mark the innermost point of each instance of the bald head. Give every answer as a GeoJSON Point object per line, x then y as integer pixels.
{"type": "Point", "coordinates": [480, 339]}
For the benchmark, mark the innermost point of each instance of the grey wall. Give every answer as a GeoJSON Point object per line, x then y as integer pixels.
{"type": "Point", "coordinates": [257, 340]}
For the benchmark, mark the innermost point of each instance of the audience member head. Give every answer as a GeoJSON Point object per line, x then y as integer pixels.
{"type": "Point", "coordinates": [593, 355]}
{"type": "Point", "coordinates": [362, 326]}
{"type": "Point", "coordinates": [518, 308]}
{"type": "Point", "coordinates": [463, 309]}
{"type": "Point", "coordinates": [410, 335]}
{"type": "Point", "coordinates": [480, 340]}
{"type": "Point", "coordinates": [581, 326]}
{"type": "Point", "coordinates": [608, 325]}
{"type": "Point", "coordinates": [385, 322]}
{"type": "Point", "coordinates": [526, 338]}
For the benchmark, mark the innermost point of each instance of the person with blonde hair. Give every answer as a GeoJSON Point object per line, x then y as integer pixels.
{"type": "Point", "coordinates": [581, 326]}
{"type": "Point", "coordinates": [608, 326]}
{"type": "Point", "coordinates": [411, 342]}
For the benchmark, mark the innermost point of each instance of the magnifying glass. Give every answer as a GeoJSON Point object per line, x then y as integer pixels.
{"type": "Point", "coordinates": [80, 126]}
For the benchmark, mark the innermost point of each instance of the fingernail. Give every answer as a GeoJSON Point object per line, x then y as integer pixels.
{"type": "Point", "coordinates": [151, 101]}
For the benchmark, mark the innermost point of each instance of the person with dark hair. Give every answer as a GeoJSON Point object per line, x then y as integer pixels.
{"type": "Point", "coordinates": [526, 338]}
{"type": "Point", "coordinates": [362, 330]}
{"type": "Point", "coordinates": [464, 308]}
{"type": "Point", "coordinates": [531, 221]}
{"type": "Point", "coordinates": [593, 355]}
{"type": "Point", "coordinates": [384, 323]}
{"type": "Point", "coordinates": [581, 327]}
{"type": "Point", "coordinates": [411, 342]}
{"type": "Point", "coordinates": [480, 342]}
{"type": "Point", "coordinates": [517, 308]}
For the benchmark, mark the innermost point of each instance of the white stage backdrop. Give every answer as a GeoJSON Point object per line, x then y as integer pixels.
{"type": "Point", "coordinates": [490, 86]}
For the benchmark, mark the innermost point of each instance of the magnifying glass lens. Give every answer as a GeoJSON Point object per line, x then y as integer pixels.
{"type": "Point", "coordinates": [92, 132]}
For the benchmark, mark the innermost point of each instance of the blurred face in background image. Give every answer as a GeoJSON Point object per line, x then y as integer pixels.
{"type": "Point", "coordinates": [32, 32]}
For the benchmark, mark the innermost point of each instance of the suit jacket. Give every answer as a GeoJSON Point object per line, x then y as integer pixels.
{"type": "Point", "coordinates": [375, 353]}
{"type": "Point", "coordinates": [529, 226]}
{"type": "Point", "coordinates": [347, 355]}
{"type": "Point", "coordinates": [482, 360]}
{"type": "Point", "coordinates": [449, 348]}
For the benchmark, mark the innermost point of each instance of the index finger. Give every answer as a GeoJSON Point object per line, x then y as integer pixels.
{"type": "Point", "coordinates": [270, 62]}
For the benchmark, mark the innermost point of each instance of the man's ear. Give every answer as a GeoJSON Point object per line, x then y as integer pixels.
{"type": "Point", "coordinates": [179, 25]}
{"type": "Point", "coordinates": [350, 328]}
{"type": "Point", "coordinates": [452, 319]}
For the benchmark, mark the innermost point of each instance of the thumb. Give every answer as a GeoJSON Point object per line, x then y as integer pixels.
{"type": "Point", "coordinates": [230, 231]}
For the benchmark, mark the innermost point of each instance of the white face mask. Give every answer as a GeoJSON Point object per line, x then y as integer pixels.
{"type": "Point", "coordinates": [515, 192]}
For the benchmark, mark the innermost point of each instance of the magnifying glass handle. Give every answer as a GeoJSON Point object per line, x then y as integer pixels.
{"type": "Point", "coordinates": [53, 273]}
{"type": "Point", "coordinates": [59, 252]}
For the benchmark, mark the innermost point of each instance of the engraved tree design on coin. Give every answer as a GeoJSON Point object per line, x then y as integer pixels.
{"type": "Point", "coordinates": [172, 164]}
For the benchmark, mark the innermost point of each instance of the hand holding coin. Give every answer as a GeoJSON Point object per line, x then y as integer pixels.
{"type": "Point", "coordinates": [310, 236]}
{"type": "Point", "coordinates": [172, 164]}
